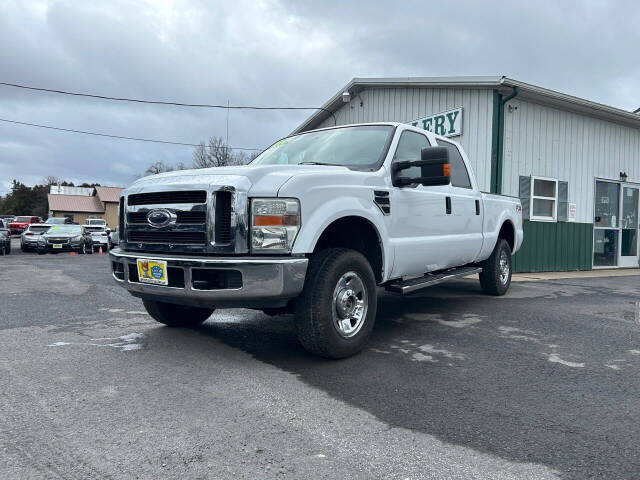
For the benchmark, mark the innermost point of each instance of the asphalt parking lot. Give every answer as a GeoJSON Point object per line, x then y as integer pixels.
{"type": "Point", "coordinates": [542, 383]}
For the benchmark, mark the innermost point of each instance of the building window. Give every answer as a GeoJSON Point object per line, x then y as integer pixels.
{"type": "Point", "coordinates": [544, 199]}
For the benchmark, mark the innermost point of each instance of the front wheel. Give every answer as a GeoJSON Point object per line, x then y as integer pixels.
{"type": "Point", "coordinates": [495, 277]}
{"type": "Point", "coordinates": [336, 310]}
{"type": "Point", "coordinates": [178, 316]}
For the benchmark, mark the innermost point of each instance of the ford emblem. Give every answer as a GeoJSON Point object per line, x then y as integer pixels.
{"type": "Point", "coordinates": [160, 217]}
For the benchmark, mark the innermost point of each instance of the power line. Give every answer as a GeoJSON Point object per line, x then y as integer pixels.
{"type": "Point", "coordinates": [160, 102]}
{"type": "Point", "coordinates": [98, 134]}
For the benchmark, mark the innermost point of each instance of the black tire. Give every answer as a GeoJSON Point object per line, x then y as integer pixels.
{"type": "Point", "coordinates": [177, 316]}
{"type": "Point", "coordinates": [492, 278]}
{"type": "Point", "coordinates": [317, 329]}
{"type": "Point", "coordinates": [3, 251]}
{"type": "Point", "coordinates": [90, 250]}
{"type": "Point", "coordinates": [9, 248]}
{"type": "Point", "coordinates": [83, 249]}
{"type": "Point", "coordinates": [41, 252]}
{"type": "Point", "coordinates": [23, 248]}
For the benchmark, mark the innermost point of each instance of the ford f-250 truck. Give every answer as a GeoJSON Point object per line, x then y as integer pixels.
{"type": "Point", "coordinates": [315, 225]}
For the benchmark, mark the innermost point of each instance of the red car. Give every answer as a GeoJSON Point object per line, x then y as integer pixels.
{"type": "Point", "coordinates": [20, 223]}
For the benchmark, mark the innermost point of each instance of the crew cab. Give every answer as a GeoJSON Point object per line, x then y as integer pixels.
{"type": "Point", "coordinates": [315, 225]}
{"type": "Point", "coordinates": [21, 223]}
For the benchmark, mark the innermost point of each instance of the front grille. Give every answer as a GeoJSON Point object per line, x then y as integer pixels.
{"type": "Point", "coordinates": [223, 217]}
{"type": "Point", "coordinates": [163, 198]}
{"type": "Point", "coordinates": [168, 237]}
{"type": "Point", "coordinates": [121, 213]}
{"type": "Point", "coordinates": [198, 217]}
{"type": "Point", "coordinates": [197, 229]}
{"type": "Point", "coordinates": [51, 241]}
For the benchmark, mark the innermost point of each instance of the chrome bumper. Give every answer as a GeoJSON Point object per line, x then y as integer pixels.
{"type": "Point", "coordinates": [266, 282]}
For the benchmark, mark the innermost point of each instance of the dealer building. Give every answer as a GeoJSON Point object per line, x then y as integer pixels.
{"type": "Point", "coordinates": [575, 164]}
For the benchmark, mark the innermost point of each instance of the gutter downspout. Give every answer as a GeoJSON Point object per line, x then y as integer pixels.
{"type": "Point", "coordinates": [497, 138]}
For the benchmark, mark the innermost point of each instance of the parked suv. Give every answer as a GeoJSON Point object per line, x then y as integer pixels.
{"type": "Point", "coordinates": [99, 236]}
{"type": "Point", "coordinates": [29, 238]}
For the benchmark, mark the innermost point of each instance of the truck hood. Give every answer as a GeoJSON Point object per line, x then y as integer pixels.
{"type": "Point", "coordinates": [263, 180]}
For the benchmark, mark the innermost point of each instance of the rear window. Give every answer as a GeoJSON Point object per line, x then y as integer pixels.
{"type": "Point", "coordinates": [38, 229]}
{"type": "Point", "coordinates": [23, 219]}
{"type": "Point", "coordinates": [94, 229]}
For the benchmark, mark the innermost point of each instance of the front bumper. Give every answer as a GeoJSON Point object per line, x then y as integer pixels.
{"type": "Point", "coordinates": [66, 247]}
{"type": "Point", "coordinates": [265, 282]}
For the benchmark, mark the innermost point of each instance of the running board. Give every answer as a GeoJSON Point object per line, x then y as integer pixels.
{"type": "Point", "coordinates": [408, 286]}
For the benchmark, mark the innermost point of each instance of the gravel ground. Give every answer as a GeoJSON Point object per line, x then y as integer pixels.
{"type": "Point", "coordinates": [542, 383]}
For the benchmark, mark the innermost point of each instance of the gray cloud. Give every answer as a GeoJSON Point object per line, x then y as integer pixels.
{"type": "Point", "coordinates": [270, 53]}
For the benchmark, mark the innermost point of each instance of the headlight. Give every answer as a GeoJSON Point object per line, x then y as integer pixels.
{"type": "Point", "coordinates": [274, 224]}
{"type": "Point", "coordinates": [41, 241]}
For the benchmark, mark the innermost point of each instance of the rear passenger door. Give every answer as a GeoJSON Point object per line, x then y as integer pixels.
{"type": "Point", "coordinates": [466, 214]}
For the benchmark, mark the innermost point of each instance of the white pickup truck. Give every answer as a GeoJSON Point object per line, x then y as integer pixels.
{"type": "Point", "coordinates": [315, 225]}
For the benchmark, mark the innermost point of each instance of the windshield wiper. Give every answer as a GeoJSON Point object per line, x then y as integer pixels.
{"type": "Point", "coordinates": [321, 163]}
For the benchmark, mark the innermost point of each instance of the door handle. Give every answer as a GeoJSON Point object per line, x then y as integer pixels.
{"type": "Point", "coordinates": [448, 205]}
{"type": "Point", "coordinates": [477, 207]}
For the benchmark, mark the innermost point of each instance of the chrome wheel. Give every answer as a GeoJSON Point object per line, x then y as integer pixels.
{"type": "Point", "coordinates": [349, 304]}
{"type": "Point", "coordinates": [504, 267]}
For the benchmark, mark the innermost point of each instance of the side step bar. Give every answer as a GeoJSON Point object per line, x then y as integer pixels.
{"type": "Point", "coordinates": [408, 286]}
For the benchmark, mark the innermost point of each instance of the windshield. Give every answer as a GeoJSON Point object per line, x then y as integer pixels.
{"type": "Point", "coordinates": [38, 229]}
{"type": "Point", "coordinates": [66, 229]}
{"type": "Point", "coordinates": [360, 146]}
{"type": "Point", "coordinates": [55, 221]}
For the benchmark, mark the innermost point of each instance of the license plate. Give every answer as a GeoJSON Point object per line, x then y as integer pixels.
{"type": "Point", "coordinates": [152, 271]}
{"type": "Point", "coordinates": [57, 245]}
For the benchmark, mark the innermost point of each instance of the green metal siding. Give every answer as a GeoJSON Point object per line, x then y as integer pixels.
{"type": "Point", "coordinates": [557, 246]}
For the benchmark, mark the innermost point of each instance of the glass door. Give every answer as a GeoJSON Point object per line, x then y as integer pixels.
{"type": "Point", "coordinates": [629, 227]}
{"type": "Point", "coordinates": [606, 228]}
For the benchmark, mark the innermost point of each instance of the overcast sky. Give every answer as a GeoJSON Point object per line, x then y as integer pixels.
{"type": "Point", "coordinates": [285, 53]}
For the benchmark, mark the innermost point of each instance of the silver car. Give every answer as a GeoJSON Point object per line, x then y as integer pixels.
{"type": "Point", "coordinates": [30, 235]}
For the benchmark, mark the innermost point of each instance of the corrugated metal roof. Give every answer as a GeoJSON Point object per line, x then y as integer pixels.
{"type": "Point", "coordinates": [526, 90]}
{"type": "Point", "coordinates": [109, 194]}
{"type": "Point", "coordinates": [74, 203]}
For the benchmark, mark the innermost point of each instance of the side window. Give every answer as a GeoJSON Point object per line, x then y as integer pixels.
{"type": "Point", "coordinates": [409, 148]}
{"type": "Point", "coordinates": [459, 174]}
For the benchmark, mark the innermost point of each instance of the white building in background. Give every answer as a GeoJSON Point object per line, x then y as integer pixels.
{"type": "Point", "coordinates": [574, 163]}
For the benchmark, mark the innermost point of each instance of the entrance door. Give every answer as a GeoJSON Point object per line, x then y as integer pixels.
{"type": "Point", "coordinates": [629, 227]}
{"type": "Point", "coordinates": [606, 226]}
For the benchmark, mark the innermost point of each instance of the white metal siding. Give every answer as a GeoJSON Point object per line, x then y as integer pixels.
{"type": "Point", "coordinates": [403, 104]}
{"type": "Point", "coordinates": [549, 142]}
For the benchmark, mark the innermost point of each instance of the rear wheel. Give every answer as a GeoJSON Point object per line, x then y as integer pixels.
{"type": "Point", "coordinates": [495, 277]}
{"type": "Point", "coordinates": [337, 308]}
{"type": "Point", "coordinates": [179, 316]}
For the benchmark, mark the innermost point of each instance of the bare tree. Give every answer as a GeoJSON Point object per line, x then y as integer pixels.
{"type": "Point", "coordinates": [158, 167]}
{"type": "Point", "coordinates": [51, 180]}
{"type": "Point", "coordinates": [215, 153]}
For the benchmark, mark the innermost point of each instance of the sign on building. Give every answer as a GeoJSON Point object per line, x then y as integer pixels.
{"type": "Point", "coordinates": [447, 124]}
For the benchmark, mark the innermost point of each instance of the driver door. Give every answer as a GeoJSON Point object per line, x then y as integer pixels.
{"type": "Point", "coordinates": [418, 229]}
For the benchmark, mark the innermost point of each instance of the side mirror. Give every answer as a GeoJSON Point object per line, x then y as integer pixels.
{"type": "Point", "coordinates": [434, 168]}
